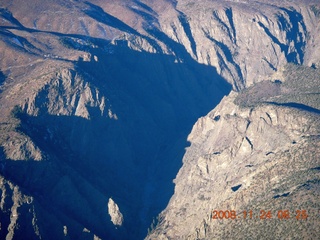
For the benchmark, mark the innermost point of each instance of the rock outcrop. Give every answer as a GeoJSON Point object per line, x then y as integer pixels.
{"type": "Point", "coordinates": [246, 41]}
{"type": "Point", "coordinates": [114, 212]}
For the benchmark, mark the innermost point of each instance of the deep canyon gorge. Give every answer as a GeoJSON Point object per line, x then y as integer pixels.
{"type": "Point", "coordinates": [135, 119]}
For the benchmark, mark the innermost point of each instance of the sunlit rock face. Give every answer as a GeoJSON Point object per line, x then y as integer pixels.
{"type": "Point", "coordinates": [241, 159]}
{"type": "Point", "coordinates": [100, 101]}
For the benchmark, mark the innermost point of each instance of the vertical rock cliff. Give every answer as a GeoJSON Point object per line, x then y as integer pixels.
{"type": "Point", "coordinates": [250, 156]}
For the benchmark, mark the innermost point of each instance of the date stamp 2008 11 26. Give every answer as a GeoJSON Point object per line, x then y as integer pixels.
{"type": "Point", "coordinates": [280, 214]}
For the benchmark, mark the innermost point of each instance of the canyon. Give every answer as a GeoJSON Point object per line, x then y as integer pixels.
{"type": "Point", "coordinates": [121, 116]}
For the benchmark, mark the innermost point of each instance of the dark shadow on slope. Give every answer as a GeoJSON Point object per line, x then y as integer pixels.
{"type": "Point", "coordinates": [187, 29]}
{"type": "Point", "coordinates": [284, 48]}
{"type": "Point", "coordinates": [149, 18]}
{"type": "Point", "coordinates": [145, 7]}
{"type": "Point", "coordinates": [229, 14]}
{"type": "Point", "coordinates": [282, 195]}
{"type": "Point", "coordinates": [229, 57]}
{"type": "Point", "coordinates": [178, 49]}
{"type": "Point", "coordinates": [4, 217]}
{"type": "Point", "coordinates": [236, 188]}
{"type": "Point", "coordinates": [7, 15]}
{"type": "Point", "coordinates": [31, 30]}
{"type": "Point", "coordinates": [4, 31]}
{"type": "Point", "coordinates": [62, 188]}
{"type": "Point", "coordinates": [297, 106]}
{"type": "Point", "coordinates": [231, 30]}
{"type": "Point", "coordinates": [133, 159]}
{"type": "Point", "coordinates": [293, 33]}
{"type": "Point", "coordinates": [100, 15]}
{"type": "Point", "coordinates": [10, 38]}
{"type": "Point", "coordinates": [270, 64]}
{"type": "Point", "coordinates": [314, 183]}
{"type": "Point", "coordinates": [157, 102]}
{"type": "Point", "coordinates": [18, 42]}
{"type": "Point", "coordinates": [2, 79]}
{"type": "Point", "coordinates": [95, 12]}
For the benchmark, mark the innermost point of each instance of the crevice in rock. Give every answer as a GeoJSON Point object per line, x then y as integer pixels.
{"type": "Point", "coordinates": [248, 124]}
{"type": "Point", "coordinates": [236, 188]}
{"type": "Point", "coordinates": [216, 118]}
{"type": "Point", "coordinates": [294, 34]}
{"type": "Point", "coordinates": [284, 48]}
{"type": "Point", "coordinates": [298, 106]}
{"type": "Point", "coordinates": [229, 14]}
{"type": "Point", "coordinates": [270, 64]}
{"type": "Point", "coordinates": [187, 29]}
{"type": "Point", "coordinates": [282, 195]}
{"type": "Point", "coordinates": [251, 145]}
{"type": "Point", "coordinates": [269, 117]}
{"type": "Point", "coordinates": [238, 84]}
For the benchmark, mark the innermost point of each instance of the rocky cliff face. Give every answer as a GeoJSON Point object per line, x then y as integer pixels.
{"type": "Point", "coordinates": [246, 41]}
{"type": "Point", "coordinates": [258, 158]}
{"type": "Point", "coordinates": [98, 98]}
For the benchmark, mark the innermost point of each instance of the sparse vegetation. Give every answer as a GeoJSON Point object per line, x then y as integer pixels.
{"type": "Point", "coordinates": [154, 224]}
{"type": "Point", "coordinates": [301, 86]}
{"type": "Point", "coordinates": [316, 10]}
{"type": "Point", "coordinates": [75, 43]}
{"type": "Point", "coordinates": [258, 93]}
{"type": "Point", "coordinates": [16, 111]}
{"type": "Point", "coordinates": [303, 186]}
